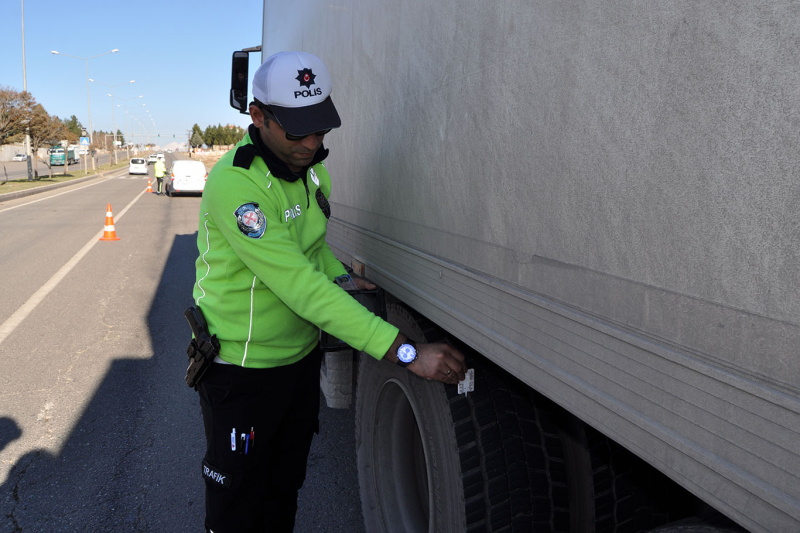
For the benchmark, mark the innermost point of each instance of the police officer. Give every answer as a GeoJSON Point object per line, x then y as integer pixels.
{"type": "Point", "coordinates": [266, 285]}
{"type": "Point", "coordinates": [160, 169]}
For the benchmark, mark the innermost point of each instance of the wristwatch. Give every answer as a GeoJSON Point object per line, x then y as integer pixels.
{"type": "Point", "coordinates": [407, 353]}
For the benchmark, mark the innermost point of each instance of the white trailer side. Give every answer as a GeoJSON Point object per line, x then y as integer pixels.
{"type": "Point", "coordinates": [601, 198]}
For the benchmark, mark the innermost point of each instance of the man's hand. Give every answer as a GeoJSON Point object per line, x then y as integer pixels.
{"type": "Point", "coordinates": [438, 361]}
{"type": "Point", "coordinates": [441, 362]}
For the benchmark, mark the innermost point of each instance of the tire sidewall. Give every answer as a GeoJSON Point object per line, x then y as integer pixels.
{"type": "Point", "coordinates": [379, 382]}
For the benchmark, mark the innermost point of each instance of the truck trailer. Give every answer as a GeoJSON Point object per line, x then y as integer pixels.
{"type": "Point", "coordinates": [57, 156]}
{"type": "Point", "coordinates": [598, 203]}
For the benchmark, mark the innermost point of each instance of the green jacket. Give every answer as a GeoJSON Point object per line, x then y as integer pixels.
{"type": "Point", "coordinates": [160, 169]}
{"type": "Point", "coordinates": [265, 273]}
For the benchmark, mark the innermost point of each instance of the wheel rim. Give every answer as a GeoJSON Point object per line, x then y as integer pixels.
{"type": "Point", "coordinates": [402, 466]}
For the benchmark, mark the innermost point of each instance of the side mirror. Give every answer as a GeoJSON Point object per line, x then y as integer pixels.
{"type": "Point", "coordinates": [240, 63]}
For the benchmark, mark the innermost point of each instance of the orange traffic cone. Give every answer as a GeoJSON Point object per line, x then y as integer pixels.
{"type": "Point", "coordinates": [110, 233]}
{"type": "Point", "coordinates": [149, 185]}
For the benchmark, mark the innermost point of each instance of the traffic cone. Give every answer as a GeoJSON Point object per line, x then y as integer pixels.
{"type": "Point", "coordinates": [149, 185]}
{"type": "Point", "coordinates": [110, 233]}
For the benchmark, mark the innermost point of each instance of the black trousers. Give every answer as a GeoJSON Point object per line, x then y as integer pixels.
{"type": "Point", "coordinates": [254, 487]}
{"type": "Point", "coordinates": [159, 183]}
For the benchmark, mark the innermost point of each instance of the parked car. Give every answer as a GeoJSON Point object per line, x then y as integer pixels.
{"type": "Point", "coordinates": [184, 177]}
{"type": "Point", "coordinates": [137, 166]}
{"type": "Point", "coordinates": [151, 159]}
{"type": "Point", "coordinates": [20, 157]}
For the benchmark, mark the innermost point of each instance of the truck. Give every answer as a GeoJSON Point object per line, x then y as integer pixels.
{"type": "Point", "coordinates": [57, 156]}
{"type": "Point", "coordinates": [79, 150]}
{"type": "Point", "coordinates": [597, 203]}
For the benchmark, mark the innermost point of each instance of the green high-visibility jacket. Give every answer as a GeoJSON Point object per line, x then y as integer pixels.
{"type": "Point", "coordinates": [264, 274]}
{"type": "Point", "coordinates": [160, 169]}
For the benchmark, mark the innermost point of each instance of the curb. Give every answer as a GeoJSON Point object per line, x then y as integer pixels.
{"type": "Point", "coordinates": [45, 188]}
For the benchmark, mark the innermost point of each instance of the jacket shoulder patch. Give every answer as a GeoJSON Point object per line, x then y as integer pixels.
{"type": "Point", "coordinates": [250, 220]}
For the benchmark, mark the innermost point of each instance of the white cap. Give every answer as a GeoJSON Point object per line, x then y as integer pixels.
{"type": "Point", "coordinates": [297, 88]}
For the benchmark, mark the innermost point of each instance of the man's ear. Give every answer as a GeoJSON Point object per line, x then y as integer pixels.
{"type": "Point", "coordinates": [257, 115]}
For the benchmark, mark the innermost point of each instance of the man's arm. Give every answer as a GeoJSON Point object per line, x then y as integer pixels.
{"type": "Point", "coordinates": [433, 360]}
{"type": "Point", "coordinates": [440, 362]}
{"type": "Point", "coordinates": [277, 261]}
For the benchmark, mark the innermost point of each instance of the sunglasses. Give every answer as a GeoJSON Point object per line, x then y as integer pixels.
{"type": "Point", "coordinates": [290, 136]}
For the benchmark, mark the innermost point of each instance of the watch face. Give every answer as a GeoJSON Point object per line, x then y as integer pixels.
{"type": "Point", "coordinates": [406, 353]}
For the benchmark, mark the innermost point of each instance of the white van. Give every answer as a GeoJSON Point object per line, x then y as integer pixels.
{"type": "Point", "coordinates": [185, 177]}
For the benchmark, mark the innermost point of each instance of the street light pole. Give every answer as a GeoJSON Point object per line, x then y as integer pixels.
{"type": "Point", "coordinates": [127, 130]}
{"type": "Point", "coordinates": [25, 89]}
{"type": "Point", "coordinates": [113, 120]}
{"type": "Point", "coordinates": [141, 126]}
{"type": "Point", "coordinates": [88, 98]}
{"type": "Point", "coordinates": [113, 129]}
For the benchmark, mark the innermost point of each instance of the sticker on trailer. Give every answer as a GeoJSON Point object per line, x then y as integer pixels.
{"type": "Point", "coordinates": [468, 384]}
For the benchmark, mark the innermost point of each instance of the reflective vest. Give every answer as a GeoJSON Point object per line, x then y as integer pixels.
{"type": "Point", "coordinates": [160, 169]}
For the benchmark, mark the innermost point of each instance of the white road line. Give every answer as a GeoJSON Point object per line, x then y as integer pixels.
{"type": "Point", "coordinates": [59, 194]}
{"type": "Point", "coordinates": [27, 308]}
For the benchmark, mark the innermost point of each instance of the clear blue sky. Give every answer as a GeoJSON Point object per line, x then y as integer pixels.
{"type": "Point", "coordinates": [177, 51]}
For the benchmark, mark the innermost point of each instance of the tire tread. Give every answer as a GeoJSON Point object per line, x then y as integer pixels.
{"type": "Point", "coordinates": [519, 472]}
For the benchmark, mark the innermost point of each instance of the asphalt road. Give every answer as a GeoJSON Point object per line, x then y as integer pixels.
{"type": "Point", "coordinates": [98, 432]}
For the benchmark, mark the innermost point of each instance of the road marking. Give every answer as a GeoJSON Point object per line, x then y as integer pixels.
{"type": "Point", "coordinates": [59, 194]}
{"type": "Point", "coordinates": [27, 308]}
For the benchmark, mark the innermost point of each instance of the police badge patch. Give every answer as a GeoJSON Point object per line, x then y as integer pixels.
{"type": "Point", "coordinates": [323, 204]}
{"type": "Point", "coordinates": [251, 220]}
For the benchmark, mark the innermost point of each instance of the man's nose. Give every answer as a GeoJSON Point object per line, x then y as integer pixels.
{"type": "Point", "coordinates": [312, 142]}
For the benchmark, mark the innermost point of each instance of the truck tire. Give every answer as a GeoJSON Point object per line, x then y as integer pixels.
{"type": "Point", "coordinates": [432, 460]}
{"type": "Point", "coordinates": [709, 523]}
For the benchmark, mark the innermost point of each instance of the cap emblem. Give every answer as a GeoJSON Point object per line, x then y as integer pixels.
{"type": "Point", "coordinates": [306, 77]}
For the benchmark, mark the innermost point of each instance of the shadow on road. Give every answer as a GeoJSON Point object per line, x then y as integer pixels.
{"type": "Point", "coordinates": [132, 461]}
{"type": "Point", "coordinates": [9, 431]}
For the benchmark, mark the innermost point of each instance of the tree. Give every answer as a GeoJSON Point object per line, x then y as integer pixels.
{"type": "Point", "coordinates": [15, 107]}
{"type": "Point", "coordinates": [218, 135]}
{"type": "Point", "coordinates": [234, 135]}
{"type": "Point", "coordinates": [103, 139]}
{"type": "Point", "coordinates": [74, 125]}
{"type": "Point", "coordinates": [46, 130]}
{"type": "Point", "coordinates": [66, 132]}
{"type": "Point", "coordinates": [210, 136]}
{"type": "Point", "coordinates": [196, 138]}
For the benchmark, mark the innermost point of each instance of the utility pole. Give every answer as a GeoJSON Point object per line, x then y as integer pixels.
{"type": "Point", "coordinates": [25, 89]}
{"type": "Point", "coordinates": [65, 145]}
{"type": "Point", "coordinates": [113, 119]}
{"type": "Point", "coordinates": [88, 97]}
